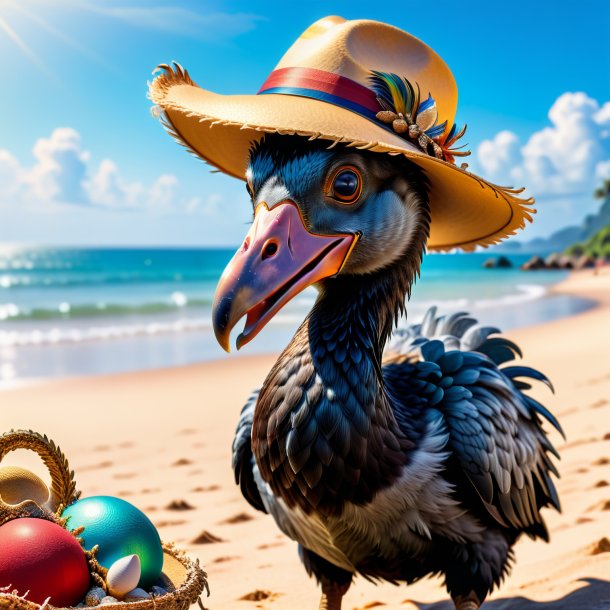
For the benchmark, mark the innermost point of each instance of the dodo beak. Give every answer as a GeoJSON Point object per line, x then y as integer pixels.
{"type": "Point", "coordinates": [278, 259]}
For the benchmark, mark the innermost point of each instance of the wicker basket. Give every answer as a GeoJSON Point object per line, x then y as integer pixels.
{"type": "Point", "coordinates": [183, 577]}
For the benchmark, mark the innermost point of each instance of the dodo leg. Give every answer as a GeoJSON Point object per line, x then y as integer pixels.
{"type": "Point", "coordinates": [467, 602]}
{"type": "Point", "coordinates": [334, 581]}
{"type": "Point", "coordinates": [332, 595]}
{"type": "Point", "coordinates": [472, 570]}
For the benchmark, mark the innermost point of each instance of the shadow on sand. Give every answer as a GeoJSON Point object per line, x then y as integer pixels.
{"type": "Point", "coordinates": [595, 595]}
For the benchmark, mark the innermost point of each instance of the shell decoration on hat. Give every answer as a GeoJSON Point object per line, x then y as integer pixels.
{"type": "Point", "coordinates": [414, 118]}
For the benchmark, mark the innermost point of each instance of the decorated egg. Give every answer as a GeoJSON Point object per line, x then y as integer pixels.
{"type": "Point", "coordinates": [120, 529]}
{"type": "Point", "coordinates": [123, 576]}
{"type": "Point", "coordinates": [18, 484]}
{"type": "Point", "coordinates": [41, 557]}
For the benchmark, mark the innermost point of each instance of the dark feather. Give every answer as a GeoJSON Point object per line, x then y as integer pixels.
{"type": "Point", "coordinates": [243, 460]}
{"type": "Point", "coordinates": [485, 410]}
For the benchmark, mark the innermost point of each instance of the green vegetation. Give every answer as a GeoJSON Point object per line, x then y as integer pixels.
{"type": "Point", "coordinates": [597, 246]}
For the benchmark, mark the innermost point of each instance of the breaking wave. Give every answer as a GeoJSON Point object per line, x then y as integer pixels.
{"type": "Point", "coordinates": [101, 322]}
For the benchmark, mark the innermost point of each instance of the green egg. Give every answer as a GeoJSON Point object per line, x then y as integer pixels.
{"type": "Point", "coordinates": [120, 529]}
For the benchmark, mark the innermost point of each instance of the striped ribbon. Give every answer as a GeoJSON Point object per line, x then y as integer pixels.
{"type": "Point", "coordinates": [325, 86]}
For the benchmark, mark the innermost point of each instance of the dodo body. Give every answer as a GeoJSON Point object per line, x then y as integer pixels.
{"type": "Point", "coordinates": [425, 458]}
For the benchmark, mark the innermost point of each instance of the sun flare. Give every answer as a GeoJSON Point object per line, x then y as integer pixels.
{"type": "Point", "coordinates": [11, 33]}
{"type": "Point", "coordinates": [13, 13]}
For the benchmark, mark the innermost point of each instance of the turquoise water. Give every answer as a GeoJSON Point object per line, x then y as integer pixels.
{"type": "Point", "coordinates": [42, 284]}
{"type": "Point", "coordinates": [87, 311]}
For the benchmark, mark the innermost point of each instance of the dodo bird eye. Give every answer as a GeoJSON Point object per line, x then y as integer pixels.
{"type": "Point", "coordinates": [346, 185]}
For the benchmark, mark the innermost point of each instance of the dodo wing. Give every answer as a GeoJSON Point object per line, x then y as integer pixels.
{"type": "Point", "coordinates": [243, 460]}
{"type": "Point", "coordinates": [495, 429]}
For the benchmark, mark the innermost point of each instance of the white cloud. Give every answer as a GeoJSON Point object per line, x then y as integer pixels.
{"type": "Point", "coordinates": [108, 188]}
{"type": "Point", "coordinates": [602, 170]}
{"type": "Point", "coordinates": [603, 116]}
{"type": "Point", "coordinates": [62, 173]}
{"type": "Point", "coordinates": [10, 174]}
{"type": "Point", "coordinates": [566, 158]}
{"type": "Point", "coordinates": [498, 155]}
{"type": "Point", "coordinates": [162, 192]}
{"type": "Point", "coordinates": [60, 169]}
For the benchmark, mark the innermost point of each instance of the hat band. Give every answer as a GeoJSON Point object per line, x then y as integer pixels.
{"type": "Point", "coordinates": [325, 86]}
{"type": "Point", "coordinates": [391, 103]}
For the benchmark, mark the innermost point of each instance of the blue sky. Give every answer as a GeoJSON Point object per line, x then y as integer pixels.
{"type": "Point", "coordinates": [533, 77]}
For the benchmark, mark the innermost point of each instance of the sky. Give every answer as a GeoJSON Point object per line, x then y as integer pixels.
{"type": "Point", "coordinates": [83, 162]}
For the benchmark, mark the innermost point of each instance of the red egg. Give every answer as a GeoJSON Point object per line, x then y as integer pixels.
{"type": "Point", "coordinates": [43, 558]}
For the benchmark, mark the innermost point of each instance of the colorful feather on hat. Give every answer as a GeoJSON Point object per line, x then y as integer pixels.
{"type": "Point", "coordinates": [403, 109]}
{"type": "Point", "coordinates": [449, 140]}
{"type": "Point", "coordinates": [394, 93]}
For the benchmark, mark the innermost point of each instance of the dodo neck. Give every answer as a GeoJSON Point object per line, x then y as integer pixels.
{"type": "Point", "coordinates": [368, 306]}
{"type": "Point", "coordinates": [324, 430]}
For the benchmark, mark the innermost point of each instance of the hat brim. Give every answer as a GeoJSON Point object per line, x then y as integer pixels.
{"type": "Point", "coordinates": [466, 210]}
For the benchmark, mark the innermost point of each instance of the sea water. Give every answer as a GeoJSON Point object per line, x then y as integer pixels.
{"type": "Point", "coordinates": [66, 312]}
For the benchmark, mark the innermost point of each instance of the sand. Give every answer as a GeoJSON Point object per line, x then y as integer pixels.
{"type": "Point", "coordinates": [162, 439]}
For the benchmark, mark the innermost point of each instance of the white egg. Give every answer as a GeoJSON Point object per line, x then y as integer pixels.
{"type": "Point", "coordinates": [123, 576]}
{"type": "Point", "coordinates": [136, 595]}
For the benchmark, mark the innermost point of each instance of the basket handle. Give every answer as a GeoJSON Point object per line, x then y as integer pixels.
{"type": "Point", "coordinates": [63, 487]}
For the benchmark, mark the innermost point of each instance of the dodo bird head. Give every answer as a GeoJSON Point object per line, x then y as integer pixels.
{"type": "Point", "coordinates": [354, 215]}
{"type": "Point", "coordinates": [319, 214]}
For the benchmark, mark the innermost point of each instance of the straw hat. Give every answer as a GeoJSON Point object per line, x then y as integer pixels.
{"type": "Point", "coordinates": [365, 84]}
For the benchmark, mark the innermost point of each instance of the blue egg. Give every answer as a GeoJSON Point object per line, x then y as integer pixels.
{"type": "Point", "coordinates": [120, 529]}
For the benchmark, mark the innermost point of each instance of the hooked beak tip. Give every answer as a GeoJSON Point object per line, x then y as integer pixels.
{"type": "Point", "coordinates": [222, 322]}
{"type": "Point", "coordinates": [224, 342]}
{"type": "Point", "coordinates": [223, 337]}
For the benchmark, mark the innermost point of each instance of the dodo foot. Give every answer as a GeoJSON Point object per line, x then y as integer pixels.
{"type": "Point", "coordinates": [332, 594]}
{"type": "Point", "coordinates": [467, 606]}
{"type": "Point", "coordinates": [467, 602]}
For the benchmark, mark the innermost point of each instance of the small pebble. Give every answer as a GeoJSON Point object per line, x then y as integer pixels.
{"type": "Point", "coordinates": [136, 595]}
{"type": "Point", "coordinates": [94, 596]}
{"type": "Point", "coordinates": [159, 591]}
{"type": "Point", "coordinates": [108, 599]}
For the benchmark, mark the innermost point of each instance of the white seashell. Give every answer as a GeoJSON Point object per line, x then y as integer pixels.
{"type": "Point", "coordinates": [159, 591]}
{"type": "Point", "coordinates": [136, 595]}
{"type": "Point", "coordinates": [108, 600]}
{"type": "Point", "coordinates": [19, 484]}
{"type": "Point", "coordinates": [94, 596]}
{"type": "Point", "coordinates": [123, 576]}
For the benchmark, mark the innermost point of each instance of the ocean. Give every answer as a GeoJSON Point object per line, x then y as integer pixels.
{"type": "Point", "coordinates": [69, 312]}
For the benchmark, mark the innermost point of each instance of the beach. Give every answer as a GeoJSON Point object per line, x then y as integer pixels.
{"type": "Point", "coordinates": [161, 439]}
